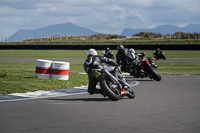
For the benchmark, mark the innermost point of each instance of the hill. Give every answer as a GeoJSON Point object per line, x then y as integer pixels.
{"type": "Point", "coordinates": [164, 29]}
{"type": "Point", "coordinates": [66, 29]}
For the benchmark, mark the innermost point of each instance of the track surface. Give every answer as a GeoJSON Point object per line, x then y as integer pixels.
{"type": "Point", "coordinates": [171, 105]}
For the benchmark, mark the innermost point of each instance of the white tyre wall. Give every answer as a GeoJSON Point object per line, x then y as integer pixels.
{"type": "Point", "coordinates": [60, 70]}
{"type": "Point", "coordinates": [43, 68]}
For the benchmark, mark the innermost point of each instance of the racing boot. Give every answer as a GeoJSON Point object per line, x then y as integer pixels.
{"type": "Point", "coordinates": [96, 91]}
{"type": "Point", "coordinates": [101, 92]}
{"type": "Point", "coordinates": [124, 91]}
{"type": "Point", "coordinates": [92, 91]}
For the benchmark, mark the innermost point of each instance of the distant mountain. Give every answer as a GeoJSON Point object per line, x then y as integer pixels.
{"type": "Point", "coordinates": [164, 29]}
{"type": "Point", "coordinates": [53, 30]}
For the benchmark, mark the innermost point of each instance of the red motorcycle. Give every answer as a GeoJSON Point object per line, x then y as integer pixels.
{"type": "Point", "coordinates": [145, 68]}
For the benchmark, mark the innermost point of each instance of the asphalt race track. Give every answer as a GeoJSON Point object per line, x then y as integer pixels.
{"type": "Point", "coordinates": [171, 105]}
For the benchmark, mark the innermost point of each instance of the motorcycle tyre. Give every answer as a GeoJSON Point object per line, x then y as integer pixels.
{"type": "Point", "coordinates": [131, 93]}
{"type": "Point", "coordinates": [109, 93]}
{"type": "Point", "coordinates": [153, 72]}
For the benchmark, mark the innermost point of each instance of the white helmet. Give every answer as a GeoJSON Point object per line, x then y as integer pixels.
{"type": "Point", "coordinates": [131, 50]}
{"type": "Point", "coordinates": [131, 53]}
{"type": "Point", "coordinates": [91, 52]}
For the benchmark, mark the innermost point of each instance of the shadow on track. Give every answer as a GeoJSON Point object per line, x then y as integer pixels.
{"type": "Point", "coordinates": [148, 80]}
{"type": "Point", "coordinates": [88, 99]}
{"type": "Point", "coordinates": [138, 79]}
{"type": "Point", "coordinates": [84, 99]}
{"type": "Point", "coordinates": [130, 78]}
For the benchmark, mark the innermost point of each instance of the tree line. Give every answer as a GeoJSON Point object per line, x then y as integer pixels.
{"type": "Point", "coordinates": [176, 35]}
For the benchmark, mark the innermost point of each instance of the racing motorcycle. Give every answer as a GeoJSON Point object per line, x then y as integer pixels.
{"type": "Point", "coordinates": [145, 68]}
{"type": "Point", "coordinates": [159, 55]}
{"type": "Point", "coordinates": [112, 82]}
{"type": "Point", "coordinates": [108, 54]}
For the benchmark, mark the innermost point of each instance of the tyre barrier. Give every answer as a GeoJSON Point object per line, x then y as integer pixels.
{"type": "Point", "coordinates": [43, 68]}
{"type": "Point", "coordinates": [48, 69]}
{"type": "Point", "coordinates": [60, 70]}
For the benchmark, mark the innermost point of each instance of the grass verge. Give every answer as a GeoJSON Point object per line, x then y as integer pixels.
{"type": "Point", "coordinates": [176, 68]}
{"type": "Point", "coordinates": [21, 78]}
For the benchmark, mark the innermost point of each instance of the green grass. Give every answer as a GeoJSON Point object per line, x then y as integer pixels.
{"type": "Point", "coordinates": [43, 53]}
{"type": "Point", "coordinates": [175, 68]}
{"type": "Point", "coordinates": [21, 78]}
{"type": "Point", "coordinates": [82, 53]}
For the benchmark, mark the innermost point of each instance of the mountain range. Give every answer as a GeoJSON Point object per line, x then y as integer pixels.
{"type": "Point", "coordinates": [164, 29]}
{"type": "Point", "coordinates": [66, 29]}
{"type": "Point", "coordinates": [69, 29]}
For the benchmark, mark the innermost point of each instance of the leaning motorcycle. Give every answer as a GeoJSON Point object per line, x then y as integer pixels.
{"type": "Point", "coordinates": [146, 68]}
{"type": "Point", "coordinates": [112, 82]}
{"type": "Point", "coordinates": [160, 55]}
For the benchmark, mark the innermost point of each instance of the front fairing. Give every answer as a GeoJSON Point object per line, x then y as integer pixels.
{"type": "Point", "coordinates": [145, 63]}
{"type": "Point", "coordinates": [109, 67]}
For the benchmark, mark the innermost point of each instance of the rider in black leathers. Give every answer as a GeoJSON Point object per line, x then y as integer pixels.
{"type": "Point", "coordinates": [92, 62]}
{"type": "Point", "coordinates": [109, 54]}
{"type": "Point", "coordinates": [159, 54]}
{"type": "Point", "coordinates": [122, 56]}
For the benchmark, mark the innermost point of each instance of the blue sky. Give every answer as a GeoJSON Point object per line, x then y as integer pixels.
{"type": "Point", "coordinates": [105, 16]}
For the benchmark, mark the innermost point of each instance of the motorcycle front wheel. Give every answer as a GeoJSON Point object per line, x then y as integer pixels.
{"type": "Point", "coordinates": [131, 93]}
{"type": "Point", "coordinates": [153, 72]}
{"type": "Point", "coordinates": [112, 91]}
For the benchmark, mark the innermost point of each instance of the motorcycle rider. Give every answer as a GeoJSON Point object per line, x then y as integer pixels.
{"type": "Point", "coordinates": [131, 55]}
{"type": "Point", "coordinates": [122, 56]}
{"type": "Point", "coordinates": [158, 53]}
{"type": "Point", "coordinates": [109, 54]}
{"type": "Point", "coordinates": [133, 59]}
{"type": "Point", "coordinates": [93, 61]}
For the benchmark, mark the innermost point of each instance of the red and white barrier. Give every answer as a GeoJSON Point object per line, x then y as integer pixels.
{"type": "Point", "coordinates": [60, 70]}
{"type": "Point", "coordinates": [52, 69]}
{"type": "Point", "coordinates": [43, 68]}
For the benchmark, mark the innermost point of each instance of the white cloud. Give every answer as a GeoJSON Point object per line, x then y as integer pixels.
{"type": "Point", "coordinates": [106, 16]}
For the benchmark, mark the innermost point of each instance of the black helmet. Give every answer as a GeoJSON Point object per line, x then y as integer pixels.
{"type": "Point", "coordinates": [107, 49]}
{"type": "Point", "coordinates": [109, 54]}
{"type": "Point", "coordinates": [120, 47]}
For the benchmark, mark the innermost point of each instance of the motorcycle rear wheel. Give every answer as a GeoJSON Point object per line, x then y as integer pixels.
{"type": "Point", "coordinates": [113, 94]}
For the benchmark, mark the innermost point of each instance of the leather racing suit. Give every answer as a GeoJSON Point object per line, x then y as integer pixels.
{"type": "Point", "coordinates": [93, 62]}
